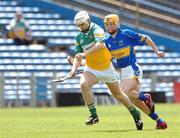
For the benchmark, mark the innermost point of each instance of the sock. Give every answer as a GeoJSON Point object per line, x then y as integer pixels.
{"type": "Point", "coordinates": [142, 97]}
{"type": "Point", "coordinates": [154, 116]}
{"type": "Point", "coordinates": [92, 109]}
{"type": "Point", "coordinates": [160, 121]}
{"type": "Point", "coordinates": [134, 112]}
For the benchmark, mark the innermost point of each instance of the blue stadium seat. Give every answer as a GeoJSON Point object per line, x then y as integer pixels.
{"type": "Point", "coordinates": [16, 74]}
{"type": "Point", "coordinates": [54, 34]}
{"type": "Point", "coordinates": [147, 48]}
{"type": "Point", "coordinates": [152, 55]}
{"type": "Point", "coordinates": [7, 3]}
{"type": "Point", "coordinates": [13, 9]}
{"type": "Point", "coordinates": [161, 68]}
{"type": "Point", "coordinates": [54, 42]}
{"type": "Point", "coordinates": [159, 61]}
{"type": "Point", "coordinates": [54, 27]}
{"type": "Point", "coordinates": [30, 16]}
{"type": "Point", "coordinates": [22, 48]}
{"type": "Point", "coordinates": [5, 21]}
{"type": "Point", "coordinates": [174, 74]}
{"type": "Point", "coordinates": [6, 41]}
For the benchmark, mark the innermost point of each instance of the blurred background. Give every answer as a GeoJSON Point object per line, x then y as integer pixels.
{"type": "Point", "coordinates": [33, 52]}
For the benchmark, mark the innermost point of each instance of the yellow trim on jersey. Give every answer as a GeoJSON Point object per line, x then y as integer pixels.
{"type": "Point", "coordinates": [134, 77]}
{"type": "Point", "coordinates": [120, 53]}
{"type": "Point", "coordinates": [98, 35]}
{"type": "Point", "coordinates": [143, 37]}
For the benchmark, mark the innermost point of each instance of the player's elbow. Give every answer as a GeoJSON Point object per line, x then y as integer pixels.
{"type": "Point", "coordinates": [148, 38]}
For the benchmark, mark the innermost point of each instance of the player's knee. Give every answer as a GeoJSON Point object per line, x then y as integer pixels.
{"type": "Point", "coordinates": [133, 94]}
{"type": "Point", "coordinates": [84, 85]}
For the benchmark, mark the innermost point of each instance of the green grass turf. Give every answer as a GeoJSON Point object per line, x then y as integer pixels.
{"type": "Point", "coordinates": [69, 122]}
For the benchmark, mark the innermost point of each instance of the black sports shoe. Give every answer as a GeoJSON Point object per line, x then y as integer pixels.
{"type": "Point", "coordinates": [138, 121]}
{"type": "Point", "coordinates": [92, 120]}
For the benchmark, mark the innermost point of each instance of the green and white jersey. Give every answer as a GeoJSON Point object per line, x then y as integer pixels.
{"type": "Point", "coordinates": [85, 41]}
{"type": "Point", "coordinates": [100, 59]}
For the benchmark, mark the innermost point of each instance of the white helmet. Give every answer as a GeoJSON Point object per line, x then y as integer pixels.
{"type": "Point", "coordinates": [81, 17]}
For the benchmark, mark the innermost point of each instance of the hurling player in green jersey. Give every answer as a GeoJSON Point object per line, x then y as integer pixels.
{"type": "Point", "coordinates": [90, 45]}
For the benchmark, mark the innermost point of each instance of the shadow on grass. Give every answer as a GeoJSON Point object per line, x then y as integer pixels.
{"type": "Point", "coordinates": [125, 130]}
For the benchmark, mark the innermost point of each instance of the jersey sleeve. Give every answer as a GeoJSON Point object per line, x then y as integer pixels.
{"type": "Point", "coordinates": [140, 39]}
{"type": "Point", "coordinates": [99, 34]}
{"type": "Point", "coordinates": [78, 48]}
{"type": "Point", "coordinates": [107, 36]}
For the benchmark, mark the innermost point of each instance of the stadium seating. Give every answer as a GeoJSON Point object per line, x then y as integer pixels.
{"type": "Point", "coordinates": [174, 4]}
{"type": "Point", "coordinates": [21, 66]}
{"type": "Point", "coordinates": [156, 17]}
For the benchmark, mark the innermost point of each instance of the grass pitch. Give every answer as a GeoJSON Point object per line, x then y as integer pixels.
{"type": "Point", "coordinates": [69, 122]}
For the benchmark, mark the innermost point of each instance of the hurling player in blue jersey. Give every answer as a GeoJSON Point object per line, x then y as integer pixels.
{"type": "Point", "coordinates": [121, 45]}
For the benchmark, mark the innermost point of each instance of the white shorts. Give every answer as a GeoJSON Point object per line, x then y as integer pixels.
{"type": "Point", "coordinates": [128, 73]}
{"type": "Point", "coordinates": [108, 75]}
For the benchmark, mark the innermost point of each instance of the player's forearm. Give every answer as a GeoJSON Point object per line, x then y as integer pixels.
{"type": "Point", "coordinates": [150, 42]}
{"type": "Point", "coordinates": [76, 64]}
{"type": "Point", "coordinates": [96, 47]}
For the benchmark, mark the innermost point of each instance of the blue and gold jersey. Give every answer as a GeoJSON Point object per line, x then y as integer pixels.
{"type": "Point", "coordinates": [122, 47]}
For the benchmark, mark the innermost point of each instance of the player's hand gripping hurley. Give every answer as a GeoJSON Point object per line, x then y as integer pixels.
{"type": "Point", "coordinates": [63, 78]}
